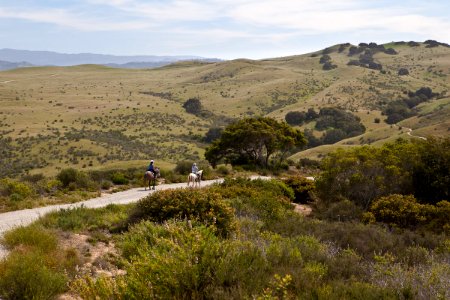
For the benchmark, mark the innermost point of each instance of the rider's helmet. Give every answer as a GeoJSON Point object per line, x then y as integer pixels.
{"type": "Point", "coordinates": [194, 164]}
{"type": "Point", "coordinates": [151, 161]}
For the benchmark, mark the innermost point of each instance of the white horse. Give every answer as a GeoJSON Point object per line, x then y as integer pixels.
{"type": "Point", "coordinates": [195, 178]}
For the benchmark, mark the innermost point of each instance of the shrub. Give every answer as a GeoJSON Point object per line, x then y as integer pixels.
{"type": "Point", "coordinates": [33, 178]}
{"type": "Point", "coordinates": [184, 167]}
{"type": "Point", "coordinates": [273, 187]}
{"type": "Point", "coordinates": [35, 268]}
{"type": "Point", "coordinates": [106, 184]}
{"type": "Point", "coordinates": [399, 210]}
{"type": "Point", "coordinates": [344, 211]}
{"type": "Point", "coordinates": [302, 187]}
{"type": "Point", "coordinates": [295, 117]}
{"type": "Point", "coordinates": [26, 275]}
{"type": "Point", "coordinates": [439, 217]}
{"type": "Point", "coordinates": [308, 163]}
{"type": "Point", "coordinates": [213, 134]}
{"type": "Point", "coordinates": [81, 218]}
{"type": "Point", "coordinates": [328, 66]}
{"type": "Point", "coordinates": [203, 206]}
{"type": "Point", "coordinates": [193, 106]}
{"type": "Point", "coordinates": [200, 266]}
{"type": "Point", "coordinates": [119, 178]}
{"type": "Point", "coordinates": [403, 71]}
{"type": "Point", "coordinates": [14, 189]}
{"type": "Point", "coordinates": [67, 176]}
{"type": "Point", "coordinates": [73, 180]}
{"type": "Point", "coordinates": [171, 177]}
{"type": "Point", "coordinates": [32, 236]}
{"type": "Point", "coordinates": [363, 174]}
{"type": "Point", "coordinates": [223, 170]}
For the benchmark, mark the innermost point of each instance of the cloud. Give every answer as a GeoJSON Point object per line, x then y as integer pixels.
{"type": "Point", "coordinates": [315, 17]}
{"type": "Point", "coordinates": [240, 24]}
{"type": "Point", "coordinates": [165, 11]}
{"type": "Point", "coordinates": [69, 19]}
{"type": "Point", "coordinates": [307, 17]}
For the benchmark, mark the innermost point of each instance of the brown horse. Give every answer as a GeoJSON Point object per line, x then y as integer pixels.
{"type": "Point", "coordinates": [148, 177]}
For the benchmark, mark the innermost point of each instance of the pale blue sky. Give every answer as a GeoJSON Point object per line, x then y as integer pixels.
{"type": "Point", "coordinates": [224, 29]}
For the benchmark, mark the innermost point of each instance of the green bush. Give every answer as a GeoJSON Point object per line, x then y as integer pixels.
{"type": "Point", "coordinates": [303, 188]}
{"type": "Point", "coordinates": [184, 167]}
{"type": "Point", "coordinates": [35, 267]}
{"type": "Point", "coordinates": [405, 212]}
{"type": "Point", "coordinates": [78, 219]}
{"type": "Point", "coordinates": [272, 187]}
{"type": "Point", "coordinates": [399, 210]}
{"type": "Point", "coordinates": [14, 189]}
{"type": "Point", "coordinates": [32, 236]}
{"type": "Point", "coordinates": [171, 177]}
{"type": "Point", "coordinates": [344, 211]}
{"type": "Point", "coordinates": [200, 266]}
{"type": "Point", "coordinates": [439, 217]}
{"type": "Point", "coordinates": [27, 275]}
{"type": "Point", "coordinates": [67, 176]}
{"type": "Point", "coordinates": [73, 180]}
{"type": "Point", "coordinates": [119, 178]}
{"type": "Point", "coordinates": [204, 206]}
{"type": "Point", "coordinates": [223, 170]}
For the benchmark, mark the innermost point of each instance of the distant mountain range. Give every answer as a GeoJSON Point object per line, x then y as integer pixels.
{"type": "Point", "coordinates": [12, 58]}
{"type": "Point", "coordinates": [6, 65]}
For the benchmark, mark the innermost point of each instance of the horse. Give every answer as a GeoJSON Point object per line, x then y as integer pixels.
{"type": "Point", "coordinates": [148, 176]}
{"type": "Point", "coordinates": [195, 178]}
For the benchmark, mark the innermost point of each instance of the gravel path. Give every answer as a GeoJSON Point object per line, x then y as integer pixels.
{"type": "Point", "coordinates": [24, 217]}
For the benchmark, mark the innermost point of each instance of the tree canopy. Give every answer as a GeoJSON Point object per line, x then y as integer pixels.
{"type": "Point", "coordinates": [364, 174]}
{"type": "Point", "coordinates": [254, 141]}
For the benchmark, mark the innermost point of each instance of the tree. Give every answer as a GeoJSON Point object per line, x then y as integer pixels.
{"type": "Point", "coordinates": [431, 175]}
{"type": "Point", "coordinates": [213, 134]}
{"type": "Point", "coordinates": [364, 174]}
{"type": "Point", "coordinates": [295, 117]}
{"type": "Point", "coordinates": [193, 106]}
{"type": "Point", "coordinates": [254, 141]}
{"type": "Point", "coordinates": [311, 114]}
{"type": "Point", "coordinates": [403, 71]}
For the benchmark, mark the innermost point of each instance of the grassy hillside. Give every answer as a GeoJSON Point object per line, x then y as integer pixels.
{"type": "Point", "coordinates": [94, 117]}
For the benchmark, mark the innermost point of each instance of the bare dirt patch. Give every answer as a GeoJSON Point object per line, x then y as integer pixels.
{"type": "Point", "coordinates": [302, 209]}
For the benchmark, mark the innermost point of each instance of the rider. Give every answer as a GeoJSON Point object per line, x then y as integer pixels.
{"type": "Point", "coordinates": [194, 168]}
{"type": "Point", "coordinates": [151, 167]}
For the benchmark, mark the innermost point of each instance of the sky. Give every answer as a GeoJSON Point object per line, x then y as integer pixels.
{"type": "Point", "coordinates": [225, 29]}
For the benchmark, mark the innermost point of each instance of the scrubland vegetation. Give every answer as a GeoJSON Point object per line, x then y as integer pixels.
{"type": "Point", "coordinates": [71, 185]}
{"type": "Point", "coordinates": [369, 236]}
{"type": "Point", "coordinates": [380, 221]}
{"type": "Point", "coordinates": [93, 117]}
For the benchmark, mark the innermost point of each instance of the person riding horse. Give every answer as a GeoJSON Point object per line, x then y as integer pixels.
{"type": "Point", "coordinates": [194, 168]}
{"type": "Point", "coordinates": [151, 167]}
{"type": "Point", "coordinates": [151, 175]}
{"type": "Point", "coordinates": [196, 176]}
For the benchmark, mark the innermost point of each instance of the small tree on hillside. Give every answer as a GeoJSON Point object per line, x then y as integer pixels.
{"type": "Point", "coordinates": [254, 141]}
{"type": "Point", "coordinates": [295, 117]}
{"type": "Point", "coordinates": [193, 106]}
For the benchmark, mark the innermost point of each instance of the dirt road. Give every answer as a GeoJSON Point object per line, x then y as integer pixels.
{"type": "Point", "coordinates": [24, 217]}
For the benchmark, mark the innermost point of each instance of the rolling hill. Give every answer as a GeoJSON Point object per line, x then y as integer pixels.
{"type": "Point", "coordinates": [49, 58]}
{"type": "Point", "coordinates": [92, 116]}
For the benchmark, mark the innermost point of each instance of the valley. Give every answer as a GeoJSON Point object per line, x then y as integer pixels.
{"type": "Point", "coordinates": [95, 117]}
